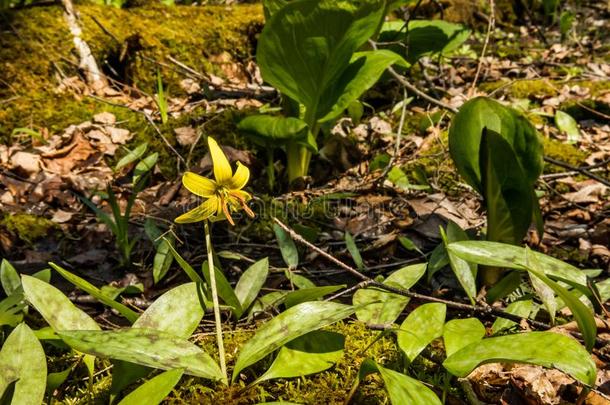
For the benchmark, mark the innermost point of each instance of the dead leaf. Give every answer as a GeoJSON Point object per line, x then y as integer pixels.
{"type": "Point", "coordinates": [119, 135]}
{"type": "Point", "coordinates": [105, 118]}
{"type": "Point", "coordinates": [591, 193]}
{"type": "Point", "coordinates": [25, 163]}
{"type": "Point", "coordinates": [65, 160]}
{"type": "Point", "coordinates": [61, 216]}
{"type": "Point", "coordinates": [186, 136]}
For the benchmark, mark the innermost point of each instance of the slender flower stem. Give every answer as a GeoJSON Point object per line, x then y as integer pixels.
{"type": "Point", "coordinates": [221, 348]}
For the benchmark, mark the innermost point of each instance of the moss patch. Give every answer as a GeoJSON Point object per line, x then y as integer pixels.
{"type": "Point", "coordinates": [38, 47]}
{"type": "Point", "coordinates": [562, 151]}
{"type": "Point", "coordinates": [28, 227]}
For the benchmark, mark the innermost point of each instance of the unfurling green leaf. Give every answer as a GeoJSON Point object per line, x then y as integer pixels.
{"type": "Point", "coordinates": [567, 124]}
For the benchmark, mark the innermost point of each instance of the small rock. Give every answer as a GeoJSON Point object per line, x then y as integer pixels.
{"type": "Point", "coordinates": [105, 118]}
{"type": "Point", "coordinates": [26, 162]}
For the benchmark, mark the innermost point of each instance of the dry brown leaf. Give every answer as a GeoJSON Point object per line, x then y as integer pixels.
{"type": "Point", "coordinates": [186, 136]}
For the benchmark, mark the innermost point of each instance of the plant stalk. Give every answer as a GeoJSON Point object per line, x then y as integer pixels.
{"type": "Point", "coordinates": [221, 348]}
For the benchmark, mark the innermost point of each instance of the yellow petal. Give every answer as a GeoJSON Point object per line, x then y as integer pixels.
{"type": "Point", "coordinates": [222, 168]}
{"type": "Point", "coordinates": [202, 212]}
{"type": "Point", "coordinates": [240, 195]}
{"type": "Point", "coordinates": [240, 179]}
{"type": "Point", "coordinates": [198, 185]}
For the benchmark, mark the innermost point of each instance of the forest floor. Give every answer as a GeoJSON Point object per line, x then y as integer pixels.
{"type": "Point", "coordinates": [62, 141]}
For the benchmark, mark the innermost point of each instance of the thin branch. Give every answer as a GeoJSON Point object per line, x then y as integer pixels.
{"type": "Point", "coordinates": [490, 27]}
{"type": "Point", "coordinates": [581, 170]}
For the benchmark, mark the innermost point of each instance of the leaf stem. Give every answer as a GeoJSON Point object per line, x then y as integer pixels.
{"type": "Point", "coordinates": [221, 348]}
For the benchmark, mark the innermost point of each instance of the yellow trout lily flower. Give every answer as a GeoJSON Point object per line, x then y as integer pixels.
{"type": "Point", "coordinates": [222, 195]}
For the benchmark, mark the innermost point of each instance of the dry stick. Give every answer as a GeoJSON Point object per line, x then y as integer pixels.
{"type": "Point", "coordinates": [581, 170]}
{"type": "Point", "coordinates": [478, 309]}
{"type": "Point", "coordinates": [490, 28]}
{"type": "Point", "coordinates": [95, 77]}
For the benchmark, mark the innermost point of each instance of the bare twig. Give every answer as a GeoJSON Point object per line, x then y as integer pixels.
{"type": "Point", "coordinates": [583, 171]}
{"type": "Point", "coordinates": [490, 27]}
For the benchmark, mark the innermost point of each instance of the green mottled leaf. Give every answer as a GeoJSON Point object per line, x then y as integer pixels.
{"type": "Point", "coordinates": [162, 261]}
{"type": "Point", "coordinates": [9, 277]}
{"type": "Point", "coordinates": [513, 257]}
{"type": "Point", "coordinates": [144, 166]}
{"type": "Point", "coordinates": [289, 325]}
{"type": "Point", "coordinates": [350, 243]}
{"type": "Point", "coordinates": [403, 389]}
{"type": "Point", "coordinates": [23, 360]}
{"type": "Point", "coordinates": [251, 282]}
{"type": "Point", "coordinates": [422, 326]}
{"type": "Point", "coordinates": [132, 156]}
{"type": "Point", "coordinates": [545, 349]}
{"type": "Point", "coordinates": [464, 271]}
{"type": "Point", "coordinates": [568, 125]}
{"type": "Point", "coordinates": [96, 293]}
{"type": "Point", "coordinates": [178, 311]}
{"type": "Point", "coordinates": [155, 390]}
{"type": "Point", "coordinates": [309, 294]}
{"type": "Point", "coordinates": [147, 347]}
{"type": "Point", "coordinates": [55, 307]}
{"type": "Point", "coordinates": [288, 249]}
{"type": "Point", "coordinates": [521, 308]}
{"type": "Point", "coordinates": [375, 306]}
{"type": "Point", "coordinates": [459, 333]}
{"type": "Point", "coordinates": [225, 291]}
{"type": "Point", "coordinates": [308, 354]}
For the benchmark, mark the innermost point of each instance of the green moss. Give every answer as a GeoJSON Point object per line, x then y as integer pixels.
{"type": "Point", "coordinates": [523, 88]}
{"type": "Point", "coordinates": [28, 227]}
{"type": "Point", "coordinates": [39, 45]}
{"type": "Point", "coordinates": [562, 151]}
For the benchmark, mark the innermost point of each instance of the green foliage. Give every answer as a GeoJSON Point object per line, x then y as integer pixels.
{"type": "Point", "coordinates": [422, 326]}
{"type": "Point", "coordinates": [459, 333]}
{"type": "Point", "coordinates": [567, 125]}
{"type": "Point", "coordinates": [23, 362]}
{"type": "Point", "coordinates": [291, 324]}
{"type": "Point", "coordinates": [546, 349]}
{"type": "Point", "coordinates": [28, 227]}
{"type": "Point", "coordinates": [424, 37]}
{"type": "Point", "coordinates": [153, 391]}
{"type": "Point", "coordinates": [374, 306]}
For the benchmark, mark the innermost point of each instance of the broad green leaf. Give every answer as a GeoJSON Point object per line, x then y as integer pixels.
{"type": "Point", "coordinates": [375, 306]}
{"type": "Point", "coordinates": [308, 354]}
{"type": "Point", "coordinates": [155, 390]}
{"type": "Point", "coordinates": [55, 307]}
{"type": "Point", "coordinates": [401, 388]}
{"type": "Point", "coordinates": [546, 295]}
{"type": "Point", "coordinates": [464, 271]}
{"type": "Point", "coordinates": [188, 269]}
{"type": "Point", "coordinates": [513, 257]}
{"type": "Point", "coordinates": [251, 282]}
{"type": "Point", "coordinates": [425, 37]}
{"type": "Point", "coordinates": [307, 45]}
{"type": "Point", "coordinates": [273, 6]}
{"type": "Point", "coordinates": [55, 380]}
{"type": "Point", "coordinates": [459, 333]}
{"type": "Point", "coordinates": [11, 309]}
{"type": "Point", "coordinates": [147, 347]}
{"type": "Point", "coordinates": [22, 359]}
{"type": "Point", "coordinates": [288, 249]}
{"type": "Point", "coordinates": [521, 308]}
{"type": "Point", "coordinates": [266, 302]}
{"type": "Point", "coordinates": [298, 280]}
{"type": "Point", "coordinates": [95, 292]}
{"type": "Point", "coordinates": [362, 73]}
{"type": "Point", "coordinates": [144, 166]}
{"type": "Point", "coordinates": [272, 130]}
{"type": "Point", "coordinates": [309, 294]}
{"type": "Point", "coordinates": [9, 277]}
{"type": "Point", "coordinates": [465, 138]}
{"type": "Point", "coordinates": [178, 311]}
{"type": "Point", "coordinates": [163, 260]}
{"type": "Point", "coordinates": [582, 314]}
{"type": "Point", "coordinates": [225, 291]}
{"type": "Point", "coordinates": [506, 190]}
{"type": "Point", "coordinates": [422, 326]}
{"type": "Point", "coordinates": [568, 125]}
{"type": "Point", "coordinates": [350, 243]}
{"type": "Point", "coordinates": [132, 156]}
{"type": "Point", "coordinates": [545, 349]}
{"type": "Point", "coordinates": [289, 325]}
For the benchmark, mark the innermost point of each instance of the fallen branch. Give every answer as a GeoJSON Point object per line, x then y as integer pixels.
{"type": "Point", "coordinates": [582, 170]}
{"type": "Point", "coordinates": [94, 76]}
